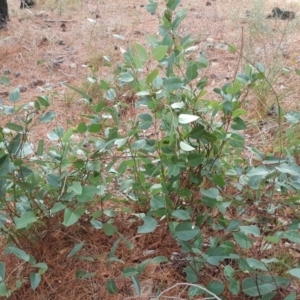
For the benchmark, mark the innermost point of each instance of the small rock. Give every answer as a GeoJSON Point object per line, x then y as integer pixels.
{"type": "Point", "coordinates": [22, 88]}
{"type": "Point", "coordinates": [48, 85]}
{"type": "Point", "coordinates": [6, 71]}
{"type": "Point", "coordinates": [249, 14]}
{"type": "Point", "coordinates": [55, 65]}
{"type": "Point", "coordinates": [86, 144]}
{"type": "Point", "coordinates": [210, 40]}
{"type": "Point", "coordinates": [58, 59]}
{"type": "Point", "coordinates": [191, 49]}
{"type": "Point", "coordinates": [37, 82]}
{"type": "Point", "coordinates": [17, 74]}
{"type": "Point", "coordinates": [281, 14]}
{"type": "Point", "coordinates": [39, 89]}
{"type": "Point", "coordinates": [70, 48]}
{"type": "Point", "coordinates": [221, 46]}
{"type": "Point", "coordinates": [73, 66]}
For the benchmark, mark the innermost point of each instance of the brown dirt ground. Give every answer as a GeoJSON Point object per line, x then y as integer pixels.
{"type": "Point", "coordinates": [42, 54]}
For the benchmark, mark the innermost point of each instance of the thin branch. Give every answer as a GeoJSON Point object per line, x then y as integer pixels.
{"type": "Point", "coordinates": [188, 284]}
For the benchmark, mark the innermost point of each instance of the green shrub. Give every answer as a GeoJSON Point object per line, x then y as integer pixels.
{"type": "Point", "coordinates": [182, 161]}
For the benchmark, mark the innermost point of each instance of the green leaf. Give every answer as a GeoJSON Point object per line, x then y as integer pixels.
{"type": "Point", "coordinates": [130, 271]}
{"type": "Point", "coordinates": [294, 272]}
{"type": "Point", "coordinates": [159, 52]}
{"type": "Point", "coordinates": [291, 296]}
{"type": "Point", "coordinates": [234, 286]}
{"type": "Point", "coordinates": [47, 117]}
{"type": "Point", "coordinates": [216, 287]}
{"type": "Point", "coordinates": [159, 259]}
{"type": "Point", "coordinates": [238, 124]}
{"type": "Point", "coordinates": [186, 231]}
{"type": "Point", "coordinates": [136, 285]}
{"type": "Point", "coordinates": [262, 284]}
{"type": "Point", "coordinates": [26, 219]}
{"type": "Point", "coordinates": [186, 119]}
{"type": "Point", "coordinates": [110, 94]}
{"type": "Point", "coordinates": [97, 224]}
{"type": "Point", "coordinates": [219, 180]}
{"type": "Point", "coordinates": [186, 147]}
{"type": "Point", "coordinates": [172, 4]}
{"type": "Point", "coordinates": [292, 170]}
{"type": "Point", "coordinates": [83, 94]}
{"type": "Point", "coordinates": [2, 271]}
{"type": "Point", "coordinates": [138, 145]}
{"type": "Point", "coordinates": [243, 240]}
{"type": "Point", "coordinates": [172, 84]}
{"type": "Point", "coordinates": [75, 249]}
{"type": "Point", "coordinates": [252, 229]}
{"type": "Point", "coordinates": [191, 72]}
{"type": "Point", "coordinates": [157, 202]}
{"type": "Point", "coordinates": [88, 193]}
{"type": "Point", "coordinates": [71, 217]}
{"type": "Point", "coordinates": [259, 171]}
{"type": "Point", "coordinates": [243, 78]}
{"type": "Point", "coordinates": [272, 239]}
{"type": "Point", "coordinates": [269, 296]}
{"type": "Point", "coordinates": [191, 275]}
{"type": "Point", "coordinates": [212, 193]}
{"type": "Point", "coordinates": [236, 140]}
{"type": "Point", "coordinates": [195, 291]}
{"type": "Point", "coordinates": [109, 229]}
{"type": "Point", "coordinates": [4, 290]}
{"type": "Point", "coordinates": [137, 62]}
{"type": "Point", "coordinates": [195, 159]}
{"type": "Point", "coordinates": [43, 101]}
{"type": "Point", "coordinates": [151, 6]}
{"type": "Point", "coordinates": [58, 206]}
{"type": "Point", "coordinates": [142, 52]}
{"type": "Point", "coordinates": [293, 236]}
{"type": "Point", "coordinates": [256, 264]}
{"type": "Point", "coordinates": [14, 127]}
{"type": "Point", "coordinates": [151, 76]}
{"type": "Point", "coordinates": [35, 279]}
{"type": "Point", "coordinates": [229, 271]}
{"type": "Point", "coordinates": [146, 121]}
{"type": "Point", "coordinates": [18, 253]}
{"type": "Point", "coordinates": [111, 286]}
{"type": "Point", "coordinates": [76, 188]}
{"type": "Point", "coordinates": [95, 128]}
{"type": "Point", "coordinates": [181, 214]}
{"type": "Point", "coordinates": [14, 95]}
{"type": "Point", "coordinates": [40, 148]}
{"type": "Point", "coordinates": [149, 225]}
{"type": "Point", "coordinates": [42, 267]}
{"type": "Point", "coordinates": [126, 77]}
{"type": "Point", "coordinates": [260, 67]}
{"type": "Point", "coordinates": [5, 80]}
{"type": "Point", "coordinates": [53, 180]}
{"type": "Point", "coordinates": [81, 127]}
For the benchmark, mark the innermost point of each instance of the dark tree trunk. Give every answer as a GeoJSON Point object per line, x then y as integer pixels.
{"type": "Point", "coordinates": [3, 13]}
{"type": "Point", "coordinates": [27, 3]}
